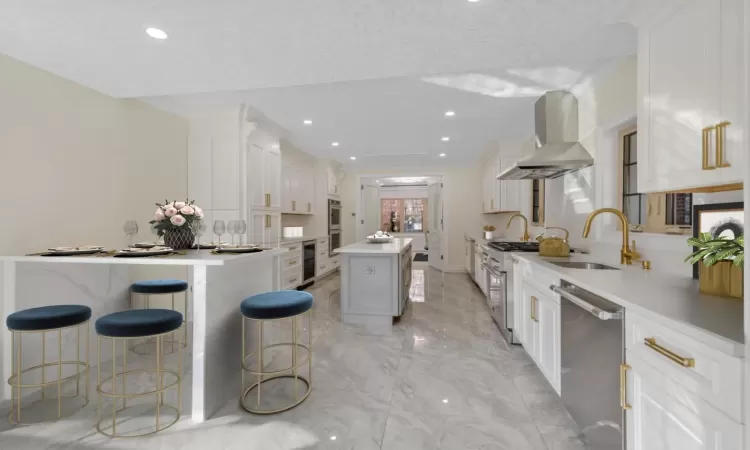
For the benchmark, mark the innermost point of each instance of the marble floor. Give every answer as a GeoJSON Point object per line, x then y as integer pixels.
{"type": "Point", "coordinates": [442, 378]}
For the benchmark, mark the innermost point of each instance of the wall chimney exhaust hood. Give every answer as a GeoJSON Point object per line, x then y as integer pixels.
{"type": "Point", "coordinates": [557, 148]}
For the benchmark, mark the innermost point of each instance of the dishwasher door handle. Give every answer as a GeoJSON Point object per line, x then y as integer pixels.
{"type": "Point", "coordinates": [595, 311]}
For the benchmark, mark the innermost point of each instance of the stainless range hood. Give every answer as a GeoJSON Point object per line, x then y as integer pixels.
{"type": "Point", "coordinates": [557, 148]}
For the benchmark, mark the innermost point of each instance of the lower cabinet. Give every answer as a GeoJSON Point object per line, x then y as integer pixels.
{"type": "Point", "coordinates": [663, 416]}
{"type": "Point", "coordinates": [540, 332]}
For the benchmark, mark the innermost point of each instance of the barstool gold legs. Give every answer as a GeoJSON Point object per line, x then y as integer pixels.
{"type": "Point", "coordinates": [139, 347]}
{"type": "Point", "coordinates": [16, 380]}
{"type": "Point", "coordinates": [263, 376]}
{"type": "Point", "coordinates": [159, 373]}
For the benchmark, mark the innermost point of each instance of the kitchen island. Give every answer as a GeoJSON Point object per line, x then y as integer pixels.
{"type": "Point", "coordinates": [219, 282]}
{"type": "Point", "coordinates": [375, 280]}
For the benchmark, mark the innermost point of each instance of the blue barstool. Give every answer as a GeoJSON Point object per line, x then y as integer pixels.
{"type": "Point", "coordinates": [137, 324]}
{"type": "Point", "coordinates": [148, 288]}
{"type": "Point", "coordinates": [44, 320]}
{"type": "Point", "coordinates": [279, 305]}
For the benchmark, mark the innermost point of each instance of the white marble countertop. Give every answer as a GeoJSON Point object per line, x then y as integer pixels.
{"type": "Point", "coordinates": [192, 258]}
{"type": "Point", "coordinates": [671, 300]}
{"type": "Point", "coordinates": [290, 240]}
{"type": "Point", "coordinates": [394, 247]}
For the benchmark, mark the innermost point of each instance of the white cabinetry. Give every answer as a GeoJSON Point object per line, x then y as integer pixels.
{"type": "Point", "coordinates": [264, 177]}
{"type": "Point", "coordinates": [265, 227]}
{"type": "Point", "coordinates": [334, 189]}
{"type": "Point", "coordinates": [298, 187]}
{"type": "Point", "coordinates": [499, 196]}
{"type": "Point", "coordinates": [467, 254]}
{"type": "Point", "coordinates": [663, 416]}
{"type": "Point", "coordinates": [690, 70]}
{"type": "Point", "coordinates": [539, 330]}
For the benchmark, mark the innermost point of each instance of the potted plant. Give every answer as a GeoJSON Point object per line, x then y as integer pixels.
{"type": "Point", "coordinates": [488, 229]}
{"type": "Point", "coordinates": [722, 261]}
{"type": "Point", "coordinates": [172, 220]}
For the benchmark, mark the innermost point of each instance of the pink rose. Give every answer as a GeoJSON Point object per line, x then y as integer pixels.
{"type": "Point", "coordinates": [198, 212]}
{"type": "Point", "coordinates": [178, 220]}
{"type": "Point", "coordinates": [159, 215]}
{"type": "Point", "coordinates": [179, 205]}
{"type": "Point", "coordinates": [188, 210]}
{"type": "Point", "coordinates": [170, 211]}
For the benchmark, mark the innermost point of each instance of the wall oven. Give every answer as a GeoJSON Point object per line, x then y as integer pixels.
{"type": "Point", "coordinates": [334, 240]}
{"type": "Point", "coordinates": [334, 215]}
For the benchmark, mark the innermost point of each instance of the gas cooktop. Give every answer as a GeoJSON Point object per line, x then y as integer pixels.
{"type": "Point", "coordinates": [515, 246]}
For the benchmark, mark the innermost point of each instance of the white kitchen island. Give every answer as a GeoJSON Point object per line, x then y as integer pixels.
{"type": "Point", "coordinates": [219, 282]}
{"type": "Point", "coordinates": [375, 280]}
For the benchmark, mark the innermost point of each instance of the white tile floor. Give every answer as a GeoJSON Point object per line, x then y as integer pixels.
{"type": "Point", "coordinates": [443, 378]}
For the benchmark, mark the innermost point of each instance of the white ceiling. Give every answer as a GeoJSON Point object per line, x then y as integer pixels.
{"type": "Point", "coordinates": [217, 45]}
{"type": "Point", "coordinates": [416, 180]}
{"type": "Point", "coordinates": [374, 75]}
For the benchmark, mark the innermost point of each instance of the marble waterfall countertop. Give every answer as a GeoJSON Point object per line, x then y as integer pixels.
{"type": "Point", "coordinates": [192, 258]}
{"type": "Point", "coordinates": [363, 247]}
{"type": "Point", "coordinates": [671, 300]}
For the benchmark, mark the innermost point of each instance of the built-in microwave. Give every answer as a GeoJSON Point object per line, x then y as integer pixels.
{"type": "Point", "coordinates": [334, 215]}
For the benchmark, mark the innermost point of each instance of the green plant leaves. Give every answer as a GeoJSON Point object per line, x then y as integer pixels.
{"type": "Point", "coordinates": [711, 251]}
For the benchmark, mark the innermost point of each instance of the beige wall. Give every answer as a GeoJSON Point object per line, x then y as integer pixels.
{"type": "Point", "coordinates": [461, 202]}
{"type": "Point", "coordinates": [75, 163]}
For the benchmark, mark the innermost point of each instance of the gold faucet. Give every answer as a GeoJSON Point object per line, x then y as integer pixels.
{"type": "Point", "coordinates": [626, 254]}
{"type": "Point", "coordinates": [525, 237]}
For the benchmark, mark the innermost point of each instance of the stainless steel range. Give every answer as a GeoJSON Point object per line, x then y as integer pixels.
{"type": "Point", "coordinates": [498, 268]}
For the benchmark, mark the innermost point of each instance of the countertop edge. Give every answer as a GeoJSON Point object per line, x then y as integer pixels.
{"type": "Point", "coordinates": [373, 248]}
{"type": "Point", "coordinates": [721, 343]}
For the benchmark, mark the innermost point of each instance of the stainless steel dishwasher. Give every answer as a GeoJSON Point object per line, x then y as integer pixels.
{"type": "Point", "coordinates": [593, 353]}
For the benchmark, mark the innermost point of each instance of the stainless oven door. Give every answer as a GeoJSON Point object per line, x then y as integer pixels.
{"type": "Point", "coordinates": [334, 215]}
{"type": "Point", "coordinates": [496, 298]}
{"type": "Point", "coordinates": [334, 242]}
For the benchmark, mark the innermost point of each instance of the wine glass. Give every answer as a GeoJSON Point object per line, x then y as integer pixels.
{"type": "Point", "coordinates": [241, 229]}
{"type": "Point", "coordinates": [219, 228]}
{"type": "Point", "coordinates": [131, 229]}
{"type": "Point", "coordinates": [198, 228]}
{"type": "Point", "coordinates": [232, 228]}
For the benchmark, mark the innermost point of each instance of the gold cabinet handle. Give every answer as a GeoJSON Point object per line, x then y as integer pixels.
{"type": "Point", "coordinates": [684, 362]}
{"type": "Point", "coordinates": [706, 143]}
{"type": "Point", "coordinates": [294, 205]}
{"type": "Point", "coordinates": [720, 133]}
{"type": "Point", "coordinates": [292, 262]}
{"type": "Point", "coordinates": [624, 386]}
{"type": "Point", "coordinates": [268, 200]}
{"type": "Point", "coordinates": [268, 221]}
{"type": "Point", "coordinates": [650, 207]}
{"type": "Point", "coordinates": [533, 308]}
{"type": "Point", "coordinates": [492, 204]}
{"type": "Point", "coordinates": [309, 207]}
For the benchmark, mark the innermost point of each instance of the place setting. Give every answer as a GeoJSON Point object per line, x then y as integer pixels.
{"type": "Point", "coordinates": [72, 251]}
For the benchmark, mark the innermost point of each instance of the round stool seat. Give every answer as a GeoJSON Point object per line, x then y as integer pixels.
{"type": "Point", "coordinates": [159, 286]}
{"type": "Point", "coordinates": [276, 305]}
{"type": "Point", "coordinates": [139, 323]}
{"type": "Point", "coordinates": [48, 317]}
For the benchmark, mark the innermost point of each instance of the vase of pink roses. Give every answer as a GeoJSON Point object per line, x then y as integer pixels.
{"type": "Point", "coordinates": [173, 220]}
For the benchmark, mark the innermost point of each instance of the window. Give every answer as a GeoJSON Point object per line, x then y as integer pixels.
{"type": "Point", "coordinates": [537, 202]}
{"type": "Point", "coordinates": [653, 212]}
{"type": "Point", "coordinates": [407, 215]}
{"type": "Point", "coordinates": [633, 203]}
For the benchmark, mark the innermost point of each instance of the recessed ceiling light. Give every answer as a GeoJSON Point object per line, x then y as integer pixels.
{"type": "Point", "coordinates": [157, 33]}
{"type": "Point", "coordinates": [333, 438]}
{"type": "Point", "coordinates": [352, 158]}
{"type": "Point", "coordinates": [307, 122]}
{"type": "Point", "coordinates": [334, 144]}
{"type": "Point", "coordinates": [442, 155]}
{"type": "Point", "coordinates": [445, 139]}
{"type": "Point", "coordinates": [450, 113]}
{"type": "Point", "coordinates": [473, 1]}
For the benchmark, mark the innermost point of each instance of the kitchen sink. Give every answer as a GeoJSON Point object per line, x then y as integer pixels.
{"type": "Point", "coordinates": [582, 265]}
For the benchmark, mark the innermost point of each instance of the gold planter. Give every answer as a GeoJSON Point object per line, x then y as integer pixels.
{"type": "Point", "coordinates": [723, 279]}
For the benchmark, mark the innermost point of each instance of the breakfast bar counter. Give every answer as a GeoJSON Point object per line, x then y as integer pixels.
{"type": "Point", "coordinates": [375, 280]}
{"type": "Point", "coordinates": [219, 282]}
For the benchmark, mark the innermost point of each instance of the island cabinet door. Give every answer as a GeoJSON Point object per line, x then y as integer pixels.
{"type": "Point", "coordinates": [548, 355]}
{"type": "Point", "coordinates": [662, 416]}
{"type": "Point", "coordinates": [529, 315]}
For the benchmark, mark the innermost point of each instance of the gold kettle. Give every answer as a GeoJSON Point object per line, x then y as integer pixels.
{"type": "Point", "coordinates": [554, 246]}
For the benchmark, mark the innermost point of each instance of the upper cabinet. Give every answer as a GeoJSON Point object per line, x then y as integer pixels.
{"type": "Point", "coordinates": [298, 187]}
{"type": "Point", "coordinates": [500, 196]}
{"type": "Point", "coordinates": [264, 177]}
{"type": "Point", "coordinates": [690, 66]}
{"type": "Point", "coordinates": [334, 187]}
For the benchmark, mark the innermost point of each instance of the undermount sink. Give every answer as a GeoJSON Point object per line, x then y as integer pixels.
{"type": "Point", "coordinates": [582, 265]}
